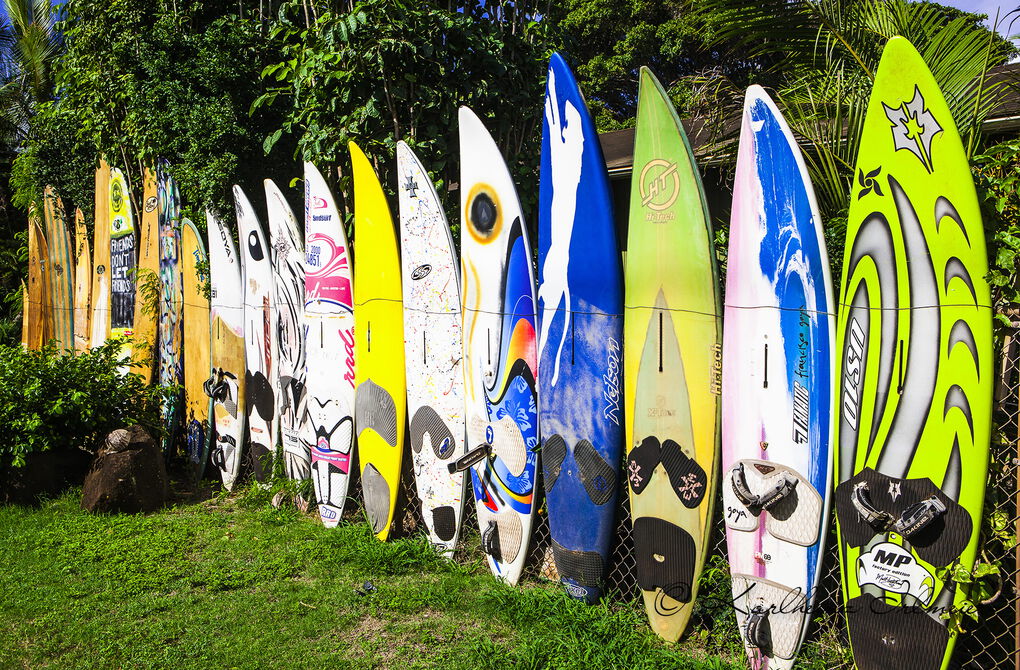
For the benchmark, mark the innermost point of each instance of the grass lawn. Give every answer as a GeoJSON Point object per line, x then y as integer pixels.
{"type": "Point", "coordinates": [235, 583]}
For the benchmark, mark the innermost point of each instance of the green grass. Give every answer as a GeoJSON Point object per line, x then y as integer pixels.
{"type": "Point", "coordinates": [235, 583]}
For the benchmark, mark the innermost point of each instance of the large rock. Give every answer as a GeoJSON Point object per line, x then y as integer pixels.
{"type": "Point", "coordinates": [128, 474]}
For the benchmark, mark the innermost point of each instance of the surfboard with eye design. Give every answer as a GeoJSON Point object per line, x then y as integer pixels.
{"type": "Point", "coordinates": [914, 388]}
{"type": "Point", "coordinates": [380, 404]}
{"type": "Point", "coordinates": [328, 425]}
{"type": "Point", "coordinates": [500, 357]}
{"type": "Point", "coordinates": [778, 364]}
{"type": "Point", "coordinates": [434, 350]}
{"type": "Point", "coordinates": [580, 302]}
{"type": "Point", "coordinates": [260, 337]}
{"type": "Point", "coordinates": [288, 262]}
{"type": "Point", "coordinates": [672, 331]}
{"type": "Point", "coordinates": [226, 382]}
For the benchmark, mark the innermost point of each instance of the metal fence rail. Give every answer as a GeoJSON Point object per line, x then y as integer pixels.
{"type": "Point", "coordinates": [991, 642]}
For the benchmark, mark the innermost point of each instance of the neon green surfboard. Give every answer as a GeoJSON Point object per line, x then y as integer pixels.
{"type": "Point", "coordinates": [915, 373]}
{"type": "Point", "coordinates": [672, 331]}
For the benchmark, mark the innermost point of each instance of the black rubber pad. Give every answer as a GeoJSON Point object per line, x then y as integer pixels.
{"type": "Point", "coordinates": [259, 395]}
{"type": "Point", "coordinates": [377, 497]}
{"type": "Point", "coordinates": [444, 522]}
{"type": "Point", "coordinates": [374, 408]}
{"type": "Point", "coordinates": [427, 420]}
{"type": "Point", "coordinates": [598, 477]}
{"type": "Point", "coordinates": [687, 478]}
{"type": "Point", "coordinates": [939, 544]}
{"type": "Point", "coordinates": [584, 567]}
{"type": "Point", "coordinates": [641, 461]}
{"type": "Point", "coordinates": [665, 554]}
{"type": "Point", "coordinates": [887, 636]}
{"type": "Point", "coordinates": [262, 461]}
{"type": "Point", "coordinates": [553, 452]}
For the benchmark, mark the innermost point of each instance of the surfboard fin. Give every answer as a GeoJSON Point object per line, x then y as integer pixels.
{"type": "Point", "coordinates": [758, 630]}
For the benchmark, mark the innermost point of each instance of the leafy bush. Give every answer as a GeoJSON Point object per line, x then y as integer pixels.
{"type": "Point", "coordinates": [60, 400]}
{"type": "Point", "coordinates": [997, 173]}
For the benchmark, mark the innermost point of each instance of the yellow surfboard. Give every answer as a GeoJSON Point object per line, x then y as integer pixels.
{"type": "Point", "coordinates": [61, 281]}
{"type": "Point", "coordinates": [24, 314]}
{"type": "Point", "coordinates": [101, 259]}
{"type": "Point", "coordinates": [194, 276]}
{"type": "Point", "coordinates": [380, 399]}
{"type": "Point", "coordinates": [39, 331]}
{"type": "Point", "coordinates": [148, 271]}
{"type": "Point", "coordinates": [82, 283]}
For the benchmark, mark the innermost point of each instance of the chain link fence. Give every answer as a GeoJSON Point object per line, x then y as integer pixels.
{"type": "Point", "coordinates": [991, 642]}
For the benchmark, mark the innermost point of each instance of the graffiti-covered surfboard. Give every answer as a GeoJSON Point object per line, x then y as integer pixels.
{"type": "Point", "coordinates": [145, 317]}
{"type": "Point", "coordinates": [500, 358]}
{"type": "Point", "coordinates": [287, 254]}
{"type": "Point", "coordinates": [328, 426]}
{"type": "Point", "coordinates": [260, 337]}
{"type": "Point", "coordinates": [60, 266]}
{"type": "Point", "coordinates": [915, 374]}
{"type": "Point", "coordinates": [82, 283]}
{"type": "Point", "coordinates": [580, 302]}
{"type": "Point", "coordinates": [434, 349]}
{"type": "Point", "coordinates": [380, 404]}
{"type": "Point", "coordinates": [226, 356]}
{"type": "Point", "coordinates": [123, 238]}
{"type": "Point", "coordinates": [778, 361]}
{"type": "Point", "coordinates": [100, 321]}
{"type": "Point", "coordinates": [171, 302]}
{"type": "Point", "coordinates": [672, 337]}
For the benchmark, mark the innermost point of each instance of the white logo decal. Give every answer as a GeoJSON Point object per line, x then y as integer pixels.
{"type": "Point", "coordinates": [893, 568]}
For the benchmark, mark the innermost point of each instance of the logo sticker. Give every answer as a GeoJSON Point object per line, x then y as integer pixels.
{"type": "Point", "coordinates": [914, 127]}
{"type": "Point", "coordinates": [421, 272]}
{"type": "Point", "coordinates": [150, 204]}
{"type": "Point", "coordinates": [852, 372]}
{"type": "Point", "coordinates": [660, 185]}
{"type": "Point", "coordinates": [893, 568]}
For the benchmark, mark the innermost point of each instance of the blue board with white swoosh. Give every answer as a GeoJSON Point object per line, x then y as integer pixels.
{"type": "Point", "coordinates": [580, 299]}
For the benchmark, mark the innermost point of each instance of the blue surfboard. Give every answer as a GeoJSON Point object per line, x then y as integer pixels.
{"type": "Point", "coordinates": [580, 299]}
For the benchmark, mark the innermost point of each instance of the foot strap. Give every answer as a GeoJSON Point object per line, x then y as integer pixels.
{"type": "Point", "coordinates": [490, 541]}
{"type": "Point", "coordinates": [470, 458]}
{"type": "Point", "coordinates": [784, 486]}
{"type": "Point", "coordinates": [912, 521]}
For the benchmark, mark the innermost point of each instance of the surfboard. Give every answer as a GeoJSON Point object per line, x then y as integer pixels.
{"type": "Point", "coordinates": [100, 322]}
{"type": "Point", "coordinates": [25, 315]}
{"type": "Point", "coordinates": [288, 262]}
{"type": "Point", "coordinates": [380, 405]}
{"type": "Point", "coordinates": [260, 344]}
{"type": "Point", "coordinates": [171, 299]}
{"type": "Point", "coordinates": [433, 350]}
{"type": "Point", "coordinates": [82, 284]}
{"type": "Point", "coordinates": [500, 361]}
{"type": "Point", "coordinates": [226, 383]}
{"type": "Point", "coordinates": [122, 262]}
{"type": "Point", "coordinates": [778, 366]}
{"type": "Point", "coordinates": [580, 303]}
{"type": "Point", "coordinates": [38, 282]}
{"type": "Point", "coordinates": [328, 425]}
{"type": "Point", "coordinates": [194, 278]}
{"type": "Point", "coordinates": [60, 267]}
{"type": "Point", "coordinates": [145, 315]}
{"type": "Point", "coordinates": [672, 337]}
{"type": "Point", "coordinates": [915, 373]}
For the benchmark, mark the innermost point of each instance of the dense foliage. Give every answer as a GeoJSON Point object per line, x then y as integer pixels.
{"type": "Point", "coordinates": [52, 400]}
{"type": "Point", "coordinates": [997, 172]}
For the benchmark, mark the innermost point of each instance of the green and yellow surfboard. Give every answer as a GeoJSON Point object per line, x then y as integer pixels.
{"type": "Point", "coordinates": [915, 373]}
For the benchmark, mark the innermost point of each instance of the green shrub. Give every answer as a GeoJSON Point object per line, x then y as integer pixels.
{"type": "Point", "coordinates": [62, 400]}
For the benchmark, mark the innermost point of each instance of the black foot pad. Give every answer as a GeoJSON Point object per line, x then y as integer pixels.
{"type": "Point", "coordinates": [427, 420]}
{"type": "Point", "coordinates": [940, 543]}
{"type": "Point", "coordinates": [598, 477]}
{"type": "Point", "coordinates": [585, 568]}
{"type": "Point", "coordinates": [553, 452]}
{"type": "Point", "coordinates": [444, 522]}
{"type": "Point", "coordinates": [886, 636]}
{"type": "Point", "coordinates": [665, 555]}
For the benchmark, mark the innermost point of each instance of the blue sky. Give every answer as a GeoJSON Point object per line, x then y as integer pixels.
{"type": "Point", "coordinates": [989, 7]}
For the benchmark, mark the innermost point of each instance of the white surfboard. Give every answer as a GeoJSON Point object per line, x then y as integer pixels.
{"type": "Point", "coordinates": [288, 260]}
{"type": "Point", "coordinates": [328, 426]}
{"type": "Point", "coordinates": [500, 353]}
{"type": "Point", "coordinates": [260, 343]}
{"type": "Point", "coordinates": [226, 353]}
{"type": "Point", "coordinates": [433, 346]}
